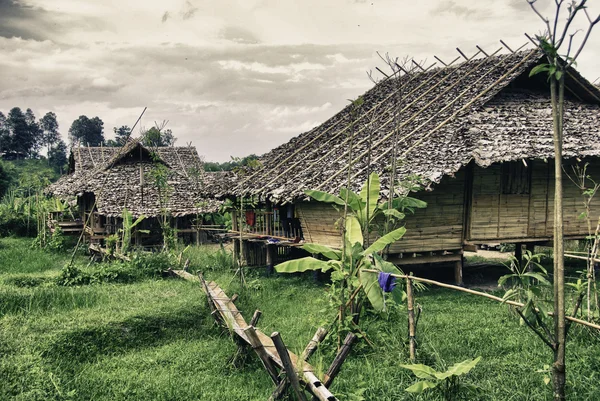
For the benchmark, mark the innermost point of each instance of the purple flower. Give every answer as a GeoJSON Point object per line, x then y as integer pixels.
{"type": "Point", "coordinates": [387, 282]}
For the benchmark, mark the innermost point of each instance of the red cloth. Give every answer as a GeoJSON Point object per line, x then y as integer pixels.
{"type": "Point", "coordinates": [250, 217]}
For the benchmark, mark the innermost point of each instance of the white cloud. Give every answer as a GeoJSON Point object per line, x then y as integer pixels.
{"type": "Point", "coordinates": [229, 83]}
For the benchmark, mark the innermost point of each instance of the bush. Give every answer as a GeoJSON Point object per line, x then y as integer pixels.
{"type": "Point", "coordinates": [142, 265]}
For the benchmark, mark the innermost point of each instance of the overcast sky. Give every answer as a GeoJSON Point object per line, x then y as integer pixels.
{"type": "Point", "coordinates": [234, 77]}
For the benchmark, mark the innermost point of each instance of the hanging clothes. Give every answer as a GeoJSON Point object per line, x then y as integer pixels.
{"type": "Point", "coordinates": [250, 218]}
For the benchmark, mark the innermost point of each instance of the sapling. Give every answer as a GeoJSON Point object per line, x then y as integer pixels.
{"type": "Point", "coordinates": [552, 42]}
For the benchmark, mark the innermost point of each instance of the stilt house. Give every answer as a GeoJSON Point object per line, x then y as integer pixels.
{"type": "Point", "coordinates": [479, 135]}
{"type": "Point", "coordinates": [106, 181]}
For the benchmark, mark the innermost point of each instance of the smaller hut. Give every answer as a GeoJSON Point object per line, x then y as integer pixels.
{"type": "Point", "coordinates": [166, 185]}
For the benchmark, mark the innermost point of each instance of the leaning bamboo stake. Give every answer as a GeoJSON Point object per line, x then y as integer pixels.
{"type": "Point", "coordinates": [310, 349]}
{"type": "Point", "coordinates": [481, 294]}
{"type": "Point", "coordinates": [290, 372]}
{"type": "Point", "coordinates": [341, 356]}
{"type": "Point", "coordinates": [412, 343]}
{"type": "Point", "coordinates": [260, 351]}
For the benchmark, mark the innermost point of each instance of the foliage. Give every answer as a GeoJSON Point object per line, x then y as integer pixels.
{"type": "Point", "coordinates": [236, 163]}
{"type": "Point", "coordinates": [20, 134]}
{"type": "Point", "coordinates": [527, 281]}
{"type": "Point", "coordinates": [153, 339]}
{"type": "Point", "coordinates": [87, 131]}
{"type": "Point", "coordinates": [156, 137]}
{"type": "Point", "coordinates": [349, 285]}
{"type": "Point", "coordinates": [448, 383]}
{"type": "Point", "coordinates": [57, 156]}
{"type": "Point", "coordinates": [127, 229]}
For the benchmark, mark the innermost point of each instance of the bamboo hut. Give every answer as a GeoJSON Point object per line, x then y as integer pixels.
{"type": "Point", "coordinates": [106, 181]}
{"type": "Point", "coordinates": [479, 135]}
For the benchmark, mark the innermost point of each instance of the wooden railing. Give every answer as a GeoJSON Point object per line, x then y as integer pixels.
{"type": "Point", "coordinates": [260, 222]}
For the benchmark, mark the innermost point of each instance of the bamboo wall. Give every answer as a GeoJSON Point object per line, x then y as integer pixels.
{"type": "Point", "coordinates": [437, 227]}
{"type": "Point", "coordinates": [498, 217]}
{"type": "Point", "coordinates": [494, 216]}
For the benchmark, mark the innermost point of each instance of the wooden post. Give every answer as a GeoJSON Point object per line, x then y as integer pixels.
{"type": "Point", "coordinates": [336, 365]}
{"type": "Point", "coordinates": [519, 253]}
{"type": "Point", "coordinates": [270, 259]}
{"type": "Point", "coordinates": [530, 247]}
{"type": "Point", "coordinates": [310, 349]}
{"type": "Point", "coordinates": [458, 271]}
{"type": "Point", "coordinates": [269, 217]}
{"type": "Point", "coordinates": [255, 318]}
{"type": "Point", "coordinates": [412, 343]}
{"type": "Point", "coordinates": [262, 354]}
{"type": "Point", "coordinates": [290, 372]}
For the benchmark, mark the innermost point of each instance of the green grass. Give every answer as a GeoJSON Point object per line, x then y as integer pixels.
{"type": "Point", "coordinates": [154, 339]}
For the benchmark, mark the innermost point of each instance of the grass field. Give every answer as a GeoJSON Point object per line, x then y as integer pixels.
{"type": "Point", "coordinates": [154, 339]}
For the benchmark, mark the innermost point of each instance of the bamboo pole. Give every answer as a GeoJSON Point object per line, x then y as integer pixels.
{"type": "Point", "coordinates": [479, 293]}
{"type": "Point", "coordinates": [310, 349]}
{"type": "Point", "coordinates": [412, 343]}
{"type": "Point", "coordinates": [262, 354]}
{"type": "Point", "coordinates": [336, 365]}
{"type": "Point", "coordinates": [290, 372]}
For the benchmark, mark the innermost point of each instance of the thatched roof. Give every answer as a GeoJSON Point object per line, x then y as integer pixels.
{"type": "Point", "coordinates": [122, 177]}
{"type": "Point", "coordinates": [486, 109]}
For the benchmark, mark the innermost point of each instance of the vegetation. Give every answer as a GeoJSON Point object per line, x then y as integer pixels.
{"type": "Point", "coordinates": [154, 338]}
{"type": "Point", "coordinates": [234, 164]}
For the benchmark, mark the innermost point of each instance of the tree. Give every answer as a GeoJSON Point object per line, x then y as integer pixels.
{"type": "Point", "coordinates": [34, 138]}
{"type": "Point", "coordinates": [87, 131]}
{"type": "Point", "coordinates": [57, 156]}
{"type": "Point", "coordinates": [156, 137]}
{"type": "Point", "coordinates": [18, 133]}
{"type": "Point", "coordinates": [551, 42]}
{"type": "Point", "coordinates": [122, 134]}
{"type": "Point", "coordinates": [50, 134]}
{"type": "Point", "coordinates": [4, 134]}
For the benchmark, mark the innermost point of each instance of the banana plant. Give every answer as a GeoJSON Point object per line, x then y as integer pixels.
{"type": "Point", "coordinates": [448, 382]}
{"type": "Point", "coordinates": [128, 226]}
{"type": "Point", "coordinates": [356, 255]}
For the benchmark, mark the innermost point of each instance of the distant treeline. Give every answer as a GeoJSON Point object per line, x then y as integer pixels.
{"type": "Point", "coordinates": [234, 164]}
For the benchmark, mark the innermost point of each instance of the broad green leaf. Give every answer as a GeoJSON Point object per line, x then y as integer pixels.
{"type": "Point", "coordinates": [408, 203]}
{"type": "Point", "coordinates": [394, 213]}
{"type": "Point", "coordinates": [464, 367]}
{"type": "Point", "coordinates": [324, 197]}
{"type": "Point", "coordinates": [353, 231]}
{"type": "Point", "coordinates": [558, 75]}
{"type": "Point", "coordinates": [538, 277]}
{"type": "Point", "coordinates": [421, 371]}
{"type": "Point", "coordinates": [302, 265]}
{"type": "Point", "coordinates": [323, 250]}
{"type": "Point", "coordinates": [386, 240]}
{"type": "Point", "coordinates": [539, 68]}
{"type": "Point", "coordinates": [421, 386]}
{"type": "Point", "coordinates": [354, 201]}
{"type": "Point", "coordinates": [138, 221]}
{"type": "Point", "coordinates": [372, 289]}
{"type": "Point", "coordinates": [372, 191]}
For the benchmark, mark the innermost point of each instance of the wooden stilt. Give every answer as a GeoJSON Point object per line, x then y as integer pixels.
{"type": "Point", "coordinates": [458, 272]}
{"type": "Point", "coordinates": [270, 259]}
{"type": "Point", "coordinates": [290, 372]}
{"type": "Point", "coordinates": [519, 253]}
{"type": "Point", "coordinates": [530, 247]}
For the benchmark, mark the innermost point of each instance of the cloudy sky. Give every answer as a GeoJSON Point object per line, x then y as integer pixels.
{"type": "Point", "coordinates": [234, 77]}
